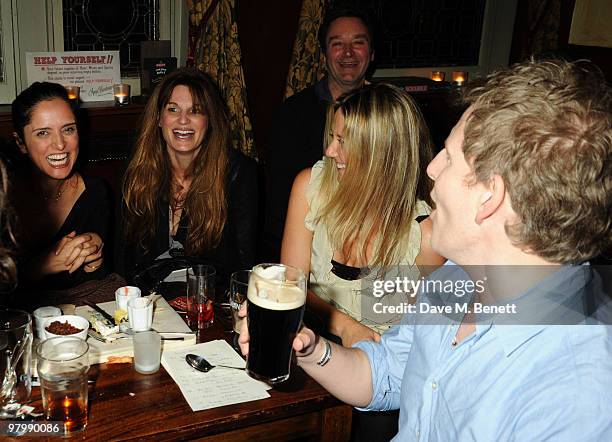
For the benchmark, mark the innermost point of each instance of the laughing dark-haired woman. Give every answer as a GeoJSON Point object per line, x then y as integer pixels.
{"type": "Point", "coordinates": [63, 218]}
{"type": "Point", "coordinates": [186, 191]}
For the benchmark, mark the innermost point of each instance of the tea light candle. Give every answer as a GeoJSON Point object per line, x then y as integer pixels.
{"type": "Point", "coordinates": [122, 94]}
{"type": "Point", "coordinates": [73, 92]}
{"type": "Point", "coordinates": [460, 77]}
{"type": "Point", "coordinates": [438, 75]}
{"type": "Point", "coordinates": [121, 98]}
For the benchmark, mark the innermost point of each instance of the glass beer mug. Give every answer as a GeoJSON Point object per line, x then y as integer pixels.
{"type": "Point", "coordinates": [276, 298]}
{"type": "Point", "coordinates": [15, 356]}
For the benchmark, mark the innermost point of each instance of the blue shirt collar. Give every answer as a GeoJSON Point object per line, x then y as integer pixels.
{"type": "Point", "coordinates": [561, 294]}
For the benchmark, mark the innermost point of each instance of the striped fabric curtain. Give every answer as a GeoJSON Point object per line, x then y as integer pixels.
{"type": "Point", "coordinates": [308, 59]}
{"type": "Point", "coordinates": [214, 48]}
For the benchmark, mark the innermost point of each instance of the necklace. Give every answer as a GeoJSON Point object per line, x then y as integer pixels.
{"type": "Point", "coordinates": [175, 212]}
{"type": "Point", "coordinates": [58, 194]}
{"type": "Point", "coordinates": [175, 247]}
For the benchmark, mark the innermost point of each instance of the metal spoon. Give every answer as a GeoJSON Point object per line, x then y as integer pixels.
{"type": "Point", "coordinates": [201, 364]}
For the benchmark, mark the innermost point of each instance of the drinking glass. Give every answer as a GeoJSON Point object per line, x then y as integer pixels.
{"type": "Point", "coordinates": [140, 314]}
{"type": "Point", "coordinates": [40, 316]}
{"type": "Point", "coordinates": [276, 298]}
{"type": "Point", "coordinates": [147, 352]}
{"type": "Point", "coordinates": [63, 363]}
{"type": "Point", "coordinates": [124, 294]}
{"type": "Point", "coordinates": [15, 357]}
{"type": "Point", "coordinates": [200, 296]}
{"type": "Point", "coordinates": [239, 286]}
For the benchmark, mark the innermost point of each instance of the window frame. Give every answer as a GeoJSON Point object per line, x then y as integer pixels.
{"type": "Point", "coordinates": [37, 26]}
{"type": "Point", "coordinates": [495, 45]}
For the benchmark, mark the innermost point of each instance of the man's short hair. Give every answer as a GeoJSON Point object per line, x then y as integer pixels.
{"type": "Point", "coordinates": [345, 10]}
{"type": "Point", "coordinates": [546, 128]}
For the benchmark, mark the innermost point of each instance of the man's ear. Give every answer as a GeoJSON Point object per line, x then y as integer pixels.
{"type": "Point", "coordinates": [20, 143]}
{"type": "Point", "coordinates": [492, 198]}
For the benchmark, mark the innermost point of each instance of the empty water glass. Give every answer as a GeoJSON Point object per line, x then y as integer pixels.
{"type": "Point", "coordinates": [15, 357]}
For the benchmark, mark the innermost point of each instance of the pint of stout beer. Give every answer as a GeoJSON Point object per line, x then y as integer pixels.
{"type": "Point", "coordinates": [276, 298]}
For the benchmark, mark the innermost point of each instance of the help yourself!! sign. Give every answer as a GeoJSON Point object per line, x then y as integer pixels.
{"type": "Point", "coordinates": [94, 71]}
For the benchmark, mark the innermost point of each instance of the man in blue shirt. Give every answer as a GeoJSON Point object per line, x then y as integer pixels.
{"type": "Point", "coordinates": [522, 193]}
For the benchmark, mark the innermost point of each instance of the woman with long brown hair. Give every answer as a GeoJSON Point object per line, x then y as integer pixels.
{"type": "Point", "coordinates": [8, 269]}
{"type": "Point", "coordinates": [186, 191]}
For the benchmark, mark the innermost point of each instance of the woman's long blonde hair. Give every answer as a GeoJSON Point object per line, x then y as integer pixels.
{"type": "Point", "coordinates": [148, 177]}
{"type": "Point", "coordinates": [387, 148]}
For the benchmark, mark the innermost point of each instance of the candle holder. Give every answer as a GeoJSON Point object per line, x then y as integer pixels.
{"type": "Point", "coordinates": [460, 77]}
{"type": "Point", "coordinates": [74, 93]}
{"type": "Point", "coordinates": [122, 94]}
{"type": "Point", "coordinates": [437, 75]}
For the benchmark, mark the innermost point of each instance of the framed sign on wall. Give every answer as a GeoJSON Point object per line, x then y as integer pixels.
{"type": "Point", "coordinates": [94, 71]}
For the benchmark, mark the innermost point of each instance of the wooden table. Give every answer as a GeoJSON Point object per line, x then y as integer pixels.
{"type": "Point", "coordinates": [125, 405]}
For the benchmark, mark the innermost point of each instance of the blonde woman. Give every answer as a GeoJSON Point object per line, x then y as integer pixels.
{"type": "Point", "coordinates": [360, 214]}
{"type": "Point", "coordinates": [186, 191]}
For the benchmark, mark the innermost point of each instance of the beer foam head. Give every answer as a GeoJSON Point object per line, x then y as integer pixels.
{"type": "Point", "coordinates": [268, 289]}
{"type": "Point", "coordinates": [272, 272]}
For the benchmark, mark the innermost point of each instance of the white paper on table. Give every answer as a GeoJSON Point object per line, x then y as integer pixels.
{"type": "Point", "coordinates": [220, 386]}
{"type": "Point", "coordinates": [179, 275]}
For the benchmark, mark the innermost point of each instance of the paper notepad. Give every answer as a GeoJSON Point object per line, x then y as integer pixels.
{"type": "Point", "coordinates": [218, 387]}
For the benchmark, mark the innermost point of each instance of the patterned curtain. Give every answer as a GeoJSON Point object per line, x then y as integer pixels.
{"type": "Point", "coordinates": [308, 59]}
{"type": "Point", "coordinates": [214, 48]}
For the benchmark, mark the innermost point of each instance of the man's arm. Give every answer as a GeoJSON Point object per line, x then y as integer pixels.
{"type": "Point", "coordinates": [369, 376]}
{"type": "Point", "coordinates": [347, 375]}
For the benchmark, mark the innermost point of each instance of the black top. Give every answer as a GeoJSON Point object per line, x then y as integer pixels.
{"type": "Point", "coordinates": [296, 143]}
{"type": "Point", "coordinates": [348, 273]}
{"type": "Point", "coordinates": [236, 250]}
{"type": "Point", "coordinates": [351, 273]}
{"type": "Point", "coordinates": [91, 212]}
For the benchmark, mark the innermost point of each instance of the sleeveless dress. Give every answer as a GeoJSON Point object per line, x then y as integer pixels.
{"type": "Point", "coordinates": [357, 297]}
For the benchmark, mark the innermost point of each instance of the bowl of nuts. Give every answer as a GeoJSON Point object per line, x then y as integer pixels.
{"type": "Point", "coordinates": [66, 325]}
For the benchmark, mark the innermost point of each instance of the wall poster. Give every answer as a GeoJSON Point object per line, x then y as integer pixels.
{"type": "Point", "coordinates": [94, 71]}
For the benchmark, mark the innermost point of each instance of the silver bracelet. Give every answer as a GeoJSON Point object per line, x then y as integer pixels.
{"type": "Point", "coordinates": [327, 353]}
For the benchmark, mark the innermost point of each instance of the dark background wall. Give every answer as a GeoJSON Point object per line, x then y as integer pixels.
{"type": "Point", "coordinates": [543, 27]}
{"type": "Point", "coordinates": [267, 30]}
